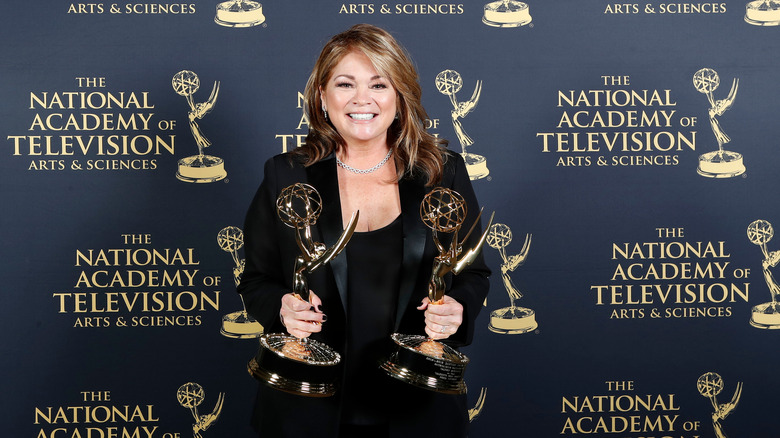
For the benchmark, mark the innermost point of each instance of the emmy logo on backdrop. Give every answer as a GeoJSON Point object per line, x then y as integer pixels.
{"type": "Point", "coordinates": [448, 83]}
{"type": "Point", "coordinates": [237, 324]}
{"type": "Point", "coordinates": [512, 319]}
{"type": "Point", "coordinates": [710, 385]}
{"type": "Point", "coordinates": [763, 13]}
{"type": "Point", "coordinates": [199, 168]}
{"type": "Point", "coordinates": [191, 395]}
{"type": "Point", "coordinates": [720, 163]}
{"type": "Point", "coordinates": [506, 13]}
{"type": "Point", "coordinates": [239, 13]}
{"type": "Point", "coordinates": [301, 366]}
{"type": "Point", "coordinates": [766, 315]}
{"type": "Point", "coordinates": [419, 360]}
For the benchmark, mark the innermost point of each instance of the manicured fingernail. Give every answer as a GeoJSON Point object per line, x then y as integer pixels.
{"type": "Point", "coordinates": [319, 307]}
{"type": "Point", "coordinates": [324, 317]}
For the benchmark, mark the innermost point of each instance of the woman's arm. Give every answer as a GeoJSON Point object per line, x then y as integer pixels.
{"type": "Point", "coordinates": [470, 287]}
{"type": "Point", "coordinates": [262, 283]}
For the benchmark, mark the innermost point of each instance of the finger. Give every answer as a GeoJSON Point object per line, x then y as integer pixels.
{"type": "Point", "coordinates": [315, 301]}
{"type": "Point", "coordinates": [439, 310]}
{"type": "Point", "coordinates": [293, 303]}
{"type": "Point", "coordinates": [315, 313]}
{"type": "Point", "coordinates": [303, 329]}
{"type": "Point", "coordinates": [432, 334]}
{"type": "Point", "coordinates": [444, 315]}
{"type": "Point", "coordinates": [424, 304]}
{"type": "Point", "coordinates": [442, 309]}
{"type": "Point", "coordinates": [444, 329]}
{"type": "Point", "coordinates": [455, 319]}
{"type": "Point", "coordinates": [444, 325]}
{"type": "Point", "coordinates": [448, 303]}
{"type": "Point", "coordinates": [448, 310]}
{"type": "Point", "coordinates": [300, 334]}
{"type": "Point", "coordinates": [295, 309]}
{"type": "Point", "coordinates": [437, 332]}
{"type": "Point", "coordinates": [308, 316]}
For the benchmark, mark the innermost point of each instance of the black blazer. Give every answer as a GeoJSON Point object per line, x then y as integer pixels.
{"type": "Point", "coordinates": [270, 252]}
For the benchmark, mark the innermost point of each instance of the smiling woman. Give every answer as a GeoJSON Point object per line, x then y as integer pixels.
{"type": "Point", "coordinates": [367, 150]}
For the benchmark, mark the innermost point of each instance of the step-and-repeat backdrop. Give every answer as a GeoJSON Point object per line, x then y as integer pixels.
{"type": "Point", "coordinates": [630, 152]}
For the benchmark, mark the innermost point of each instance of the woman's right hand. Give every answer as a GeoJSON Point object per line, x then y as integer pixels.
{"type": "Point", "coordinates": [301, 318]}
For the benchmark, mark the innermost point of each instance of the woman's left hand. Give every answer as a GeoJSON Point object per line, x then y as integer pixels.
{"type": "Point", "coordinates": [442, 320]}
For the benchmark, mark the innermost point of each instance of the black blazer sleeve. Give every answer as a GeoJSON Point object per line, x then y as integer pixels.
{"type": "Point", "coordinates": [263, 281]}
{"type": "Point", "coordinates": [471, 286]}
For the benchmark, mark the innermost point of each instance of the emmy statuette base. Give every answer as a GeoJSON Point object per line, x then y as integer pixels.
{"type": "Point", "coordinates": [510, 24]}
{"type": "Point", "coordinates": [238, 25]}
{"type": "Point", "coordinates": [766, 316]}
{"type": "Point", "coordinates": [297, 366]}
{"type": "Point", "coordinates": [718, 164]}
{"type": "Point", "coordinates": [506, 14]}
{"type": "Point", "coordinates": [512, 321]}
{"type": "Point", "coordinates": [763, 13]}
{"type": "Point", "coordinates": [476, 165]}
{"type": "Point", "coordinates": [308, 389]}
{"type": "Point", "coordinates": [201, 169]}
{"type": "Point", "coordinates": [761, 23]}
{"type": "Point", "coordinates": [427, 364]}
{"type": "Point", "coordinates": [239, 325]}
{"type": "Point", "coordinates": [229, 15]}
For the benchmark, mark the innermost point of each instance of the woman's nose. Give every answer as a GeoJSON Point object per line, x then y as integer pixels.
{"type": "Point", "coordinates": [361, 95]}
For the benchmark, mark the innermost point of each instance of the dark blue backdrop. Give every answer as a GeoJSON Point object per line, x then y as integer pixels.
{"type": "Point", "coordinates": [575, 213]}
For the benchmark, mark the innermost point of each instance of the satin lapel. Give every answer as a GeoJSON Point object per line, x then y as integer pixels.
{"type": "Point", "coordinates": [322, 175]}
{"type": "Point", "coordinates": [412, 192]}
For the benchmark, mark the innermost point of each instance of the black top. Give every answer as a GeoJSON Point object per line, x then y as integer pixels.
{"type": "Point", "coordinates": [374, 267]}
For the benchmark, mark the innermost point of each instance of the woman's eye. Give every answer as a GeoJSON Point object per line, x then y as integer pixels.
{"type": "Point", "coordinates": [379, 86]}
{"type": "Point", "coordinates": [343, 85]}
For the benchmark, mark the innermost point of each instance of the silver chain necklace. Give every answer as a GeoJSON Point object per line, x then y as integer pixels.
{"type": "Point", "coordinates": [364, 171]}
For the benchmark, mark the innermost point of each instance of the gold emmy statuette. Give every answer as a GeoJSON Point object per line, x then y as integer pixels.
{"type": "Point", "coordinates": [449, 82]}
{"type": "Point", "coordinates": [190, 396]}
{"type": "Point", "coordinates": [766, 315]}
{"type": "Point", "coordinates": [512, 319]}
{"type": "Point", "coordinates": [199, 168]}
{"type": "Point", "coordinates": [238, 324]}
{"type": "Point", "coordinates": [506, 13]}
{"type": "Point", "coordinates": [301, 366]}
{"type": "Point", "coordinates": [419, 360]}
{"type": "Point", "coordinates": [239, 13]}
{"type": "Point", "coordinates": [763, 13]}
{"type": "Point", "coordinates": [710, 385]}
{"type": "Point", "coordinates": [720, 163]}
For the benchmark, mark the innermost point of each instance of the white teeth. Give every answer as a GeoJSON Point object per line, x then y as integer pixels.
{"type": "Point", "coordinates": [362, 116]}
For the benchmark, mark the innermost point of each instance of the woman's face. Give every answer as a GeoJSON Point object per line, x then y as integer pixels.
{"type": "Point", "coordinates": [361, 104]}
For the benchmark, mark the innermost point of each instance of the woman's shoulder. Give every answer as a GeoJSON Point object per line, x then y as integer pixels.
{"type": "Point", "coordinates": [280, 169]}
{"type": "Point", "coordinates": [454, 166]}
{"type": "Point", "coordinates": [286, 160]}
{"type": "Point", "coordinates": [448, 164]}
